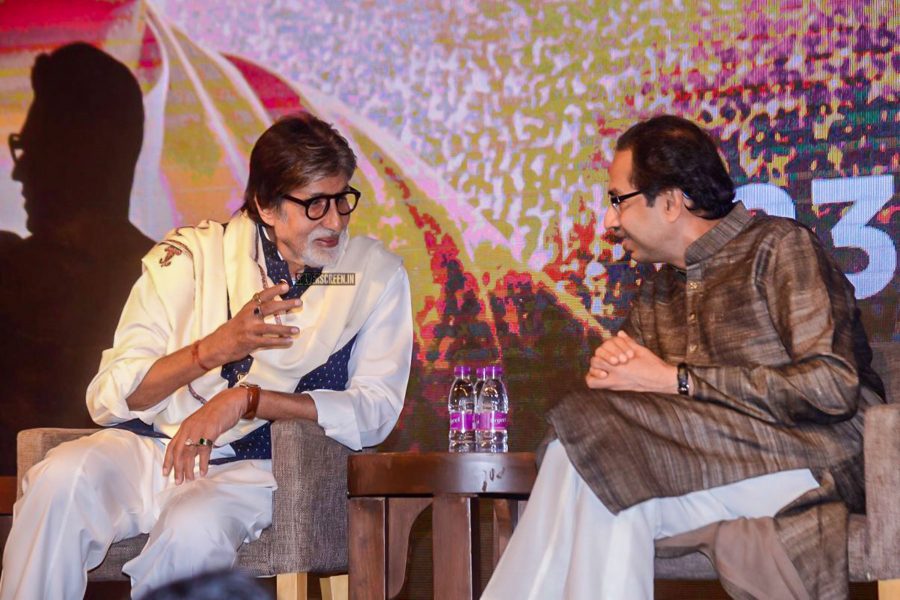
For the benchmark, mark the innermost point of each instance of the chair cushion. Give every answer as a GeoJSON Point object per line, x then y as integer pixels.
{"type": "Point", "coordinates": [256, 557]}
{"type": "Point", "coordinates": [856, 548]}
{"type": "Point", "coordinates": [697, 566]}
{"type": "Point", "coordinates": [886, 362]}
{"type": "Point", "coordinates": [253, 557]}
{"type": "Point", "coordinates": [689, 566]}
{"type": "Point", "coordinates": [119, 554]}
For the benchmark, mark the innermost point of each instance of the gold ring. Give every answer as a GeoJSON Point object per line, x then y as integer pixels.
{"type": "Point", "coordinates": [256, 298]}
{"type": "Point", "coordinates": [204, 442]}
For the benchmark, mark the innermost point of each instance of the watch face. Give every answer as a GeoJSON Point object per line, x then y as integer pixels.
{"type": "Point", "coordinates": [683, 381]}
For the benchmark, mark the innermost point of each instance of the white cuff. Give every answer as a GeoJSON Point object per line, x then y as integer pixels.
{"type": "Point", "coordinates": [337, 417]}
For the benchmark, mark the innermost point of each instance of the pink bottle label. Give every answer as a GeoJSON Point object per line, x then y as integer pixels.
{"type": "Point", "coordinates": [469, 422]}
{"type": "Point", "coordinates": [456, 421]}
{"type": "Point", "coordinates": [495, 421]}
{"type": "Point", "coordinates": [462, 421]}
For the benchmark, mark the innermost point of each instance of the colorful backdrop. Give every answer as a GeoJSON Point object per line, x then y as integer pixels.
{"type": "Point", "coordinates": [484, 130]}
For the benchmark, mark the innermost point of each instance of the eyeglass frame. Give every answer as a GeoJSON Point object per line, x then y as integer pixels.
{"type": "Point", "coordinates": [616, 199]}
{"type": "Point", "coordinates": [328, 197]}
{"type": "Point", "coordinates": [15, 144]}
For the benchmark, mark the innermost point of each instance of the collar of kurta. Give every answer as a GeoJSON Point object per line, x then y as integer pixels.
{"type": "Point", "coordinates": [715, 239]}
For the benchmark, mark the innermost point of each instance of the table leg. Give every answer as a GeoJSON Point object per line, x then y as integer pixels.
{"type": "Point", "coordinates": [506, 516]}
{"type": "Point", "coordinates": [455, 547]}
{"type": "Point", "coordinates": [368, 548]}
{"type": "Point", "coordinates": [401, 513]}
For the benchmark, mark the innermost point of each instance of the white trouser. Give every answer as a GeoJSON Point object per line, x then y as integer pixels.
{"type": "Point", "coordinates": [91, 492]}
{"type": "Point", "coordinates": [568, 545]}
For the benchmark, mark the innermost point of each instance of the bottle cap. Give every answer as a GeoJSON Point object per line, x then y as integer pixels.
{"type": "Point", "coordinates": [462, 371]}
{"type": "Point", "coordinates": [493, 372]}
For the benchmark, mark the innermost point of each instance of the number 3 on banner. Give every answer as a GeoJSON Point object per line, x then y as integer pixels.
{"type": "Point", "coordinates": [768, 198]}
{"type": "Point", "coordinates": [868, 195]}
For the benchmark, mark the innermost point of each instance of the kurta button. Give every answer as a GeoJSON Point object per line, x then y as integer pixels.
{"type": "Point", "coordinates": [693, 285]}
{"type": "Point", "coordinates": [692, 317]}
{"type": "Point", "coordinates": [692, 347]}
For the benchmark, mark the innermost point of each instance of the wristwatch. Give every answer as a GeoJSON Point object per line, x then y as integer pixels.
{"type": "Point", "coordinates": [252, 400]}
{"type": "Point", "coordinates": [684, 382]}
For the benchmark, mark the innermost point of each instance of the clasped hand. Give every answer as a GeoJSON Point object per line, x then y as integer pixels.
{"type": "Point", "coordinates": [620, 363]}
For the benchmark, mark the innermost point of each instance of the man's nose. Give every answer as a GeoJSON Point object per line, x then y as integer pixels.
{"type": "Point", "coordinates": [610, 218]}
{"type": "Point", "coordinates": [18, 168]}
{"type": "Point", "coordinates": [332, 219]}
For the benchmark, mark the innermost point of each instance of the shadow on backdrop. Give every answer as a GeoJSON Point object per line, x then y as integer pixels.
{"type": "Point", "coordinates": [62, 289]}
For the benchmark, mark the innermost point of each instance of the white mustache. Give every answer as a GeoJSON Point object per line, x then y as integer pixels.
{"type": "Point", "coordinates": [317, 256]}
{"type": "Point", "coordinates": [321, 232]}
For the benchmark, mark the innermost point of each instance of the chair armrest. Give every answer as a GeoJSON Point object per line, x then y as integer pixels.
{"type": "Point", "coordinates": [882, 460]}
{"type": "Point", "coordinates": [33, 444]}
{"type": "Point", "coordinates": [310, 503]}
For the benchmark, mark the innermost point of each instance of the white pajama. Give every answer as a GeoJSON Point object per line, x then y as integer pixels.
{"type": "Point", "coordinates": [109, 486]}
{"type": "Point", "coordinates": [569, 545]}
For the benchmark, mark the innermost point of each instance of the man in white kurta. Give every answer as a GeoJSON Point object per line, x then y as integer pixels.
{"type": "Point", "coordinates": [197, 474]}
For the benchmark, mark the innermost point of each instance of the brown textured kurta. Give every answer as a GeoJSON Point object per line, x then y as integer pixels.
{"type": "Point", "coordinates": [779, 369]}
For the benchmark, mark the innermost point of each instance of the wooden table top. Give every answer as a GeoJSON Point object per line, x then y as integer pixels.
{"type": "Point", "coordinates": [431, 473]}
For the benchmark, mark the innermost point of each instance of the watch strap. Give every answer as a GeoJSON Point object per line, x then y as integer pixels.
{"type": "Point", "coordinates": [252, 400]}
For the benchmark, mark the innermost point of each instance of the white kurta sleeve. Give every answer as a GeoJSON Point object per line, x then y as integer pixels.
{"type": "Point", "coordinates": [366, 412]}
{"type": "Point", "coordinates": [141, 339]}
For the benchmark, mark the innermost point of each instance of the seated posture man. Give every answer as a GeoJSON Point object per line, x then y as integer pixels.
{"type": "Point", "coordinates": [735, 389]}
{"type": "Point", "coordinates": [213, 344]}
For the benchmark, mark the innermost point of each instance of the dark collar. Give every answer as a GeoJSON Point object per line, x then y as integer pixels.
{"type": "Point", "coordinates": [715, 239]}
{"type": "Point", "coordinates": [277, 268]}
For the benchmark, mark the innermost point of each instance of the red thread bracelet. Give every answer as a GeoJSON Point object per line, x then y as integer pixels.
{"type": "Point", "coordinates": [195, 356]}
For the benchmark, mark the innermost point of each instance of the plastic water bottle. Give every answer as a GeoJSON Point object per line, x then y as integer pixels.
{"type": "Point", "coordinates": [477, 382]}
{"type": "Point", "coordinates": [461, 406]}
{"type": "Point", "coordinates": [492, 409]}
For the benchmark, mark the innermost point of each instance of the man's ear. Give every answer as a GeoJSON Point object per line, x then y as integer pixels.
{"type": "Point", "coordinates": [674, 202]}
{"type": "Point", "coordinates": [267, 214]}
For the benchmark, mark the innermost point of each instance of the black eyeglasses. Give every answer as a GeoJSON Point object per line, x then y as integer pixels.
{"type": "Point", "coordinates": [317, 207]}
{"type": "Point", "coordinates": [16, 147]}
{"type": "Point", "coordinates": [616, 199]}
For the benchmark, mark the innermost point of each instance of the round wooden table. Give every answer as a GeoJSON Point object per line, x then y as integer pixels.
{"type": "Point", "coordinates": [389, 490]}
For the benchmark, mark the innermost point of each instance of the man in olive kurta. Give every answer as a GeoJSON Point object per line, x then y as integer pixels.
{"type": "Point", "coordinates": [741, 369]}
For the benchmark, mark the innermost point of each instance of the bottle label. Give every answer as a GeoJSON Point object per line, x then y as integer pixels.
{"type": "Point", "coordinates": [493, 421]}
{"type": "Point", "coordinates": [460, 421]}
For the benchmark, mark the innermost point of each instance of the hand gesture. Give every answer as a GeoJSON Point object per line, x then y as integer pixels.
{"type": "Point", "coordinates": [620, 363]}
{"type": "Point", "coordinates": [197, 433]}
{"type": "Point", "coordinates": [247, 331]}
